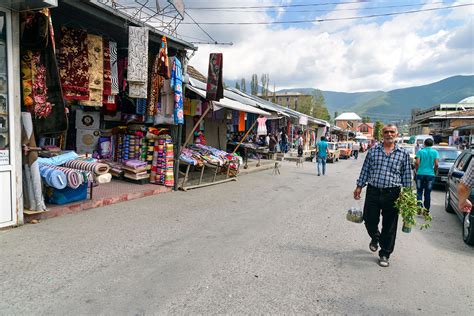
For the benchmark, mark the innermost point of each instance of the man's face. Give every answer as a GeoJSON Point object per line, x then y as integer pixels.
{"type": "Point", "coordinates": [389, 134]}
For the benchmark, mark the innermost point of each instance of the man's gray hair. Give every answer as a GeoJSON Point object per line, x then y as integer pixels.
{"type": "Point", "coordinates": [390, 125]}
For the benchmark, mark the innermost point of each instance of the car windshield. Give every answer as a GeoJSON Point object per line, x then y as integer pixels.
{"type": "Point", "coordinates": [342, 146]}
{"type": "Point", "coordinates": [332, 146]}
{"type": "Point", "coordinates": [448, 155]}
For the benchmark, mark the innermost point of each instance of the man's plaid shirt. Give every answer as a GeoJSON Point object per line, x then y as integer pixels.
{"type": "Point", "coordinates": [386, 171]}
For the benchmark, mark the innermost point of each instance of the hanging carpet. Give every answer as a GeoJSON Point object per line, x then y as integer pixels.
{"type": "Point", "coordinates": [137, 73]}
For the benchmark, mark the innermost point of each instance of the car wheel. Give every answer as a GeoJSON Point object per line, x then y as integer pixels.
{"type": "Point", "coordinates": [468, 230]}
{"type": "Point", "coordinates": [447, 202]}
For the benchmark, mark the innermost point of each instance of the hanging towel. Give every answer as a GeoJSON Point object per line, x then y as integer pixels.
{"type": "Point", "coordinates": [96, 70]}
{"type": "Point", "coordinates": [177, 85]}
{"type": "Point", "coordinates": [137, 73]}
{"type": "Point", "coordinates": [215, 85]}
{"type": "Point", "coordinates": [74, 64]}
{"type": "Point", "coordinates": [113, 68]}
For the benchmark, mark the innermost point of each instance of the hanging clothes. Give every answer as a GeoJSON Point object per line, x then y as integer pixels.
{"type": "Point", "coordinates": [137, 73]}
{"type": "Point", "coordinates": [154, 88]}
{"type": "Point", "coordinates": [96, 70]}
{"type": "Point", "coordinates": [262, 126]}
{"type": "Point", "coordinates": [74, 64]}
{"type": "Point", "coordinates": [241, 122]}
{"type": "Point", "coordinates": [163, 65]}
{"type": "Point", "coordinates": [113, 68]}
{"type": "Point", "coordinates": [215, 84]}
{"type": "Point", "coordinates": [177, 86]}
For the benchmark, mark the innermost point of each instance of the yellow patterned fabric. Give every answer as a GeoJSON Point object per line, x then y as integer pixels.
{"type": "Point", "coordinates": [27, 72]}
{"type": "Point", "coordinates": [96, 70]}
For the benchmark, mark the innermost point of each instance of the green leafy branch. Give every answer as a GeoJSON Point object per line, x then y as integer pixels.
{"type": "Point", "coordinates": [408, 207]}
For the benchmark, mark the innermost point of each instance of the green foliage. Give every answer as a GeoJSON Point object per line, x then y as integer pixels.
{"type": "Point", "coordinates": [378, 130]}
{"type": "Point", "coordinates": [237, 85]}
{"type": "Point", "coordinates": [366, 119]}
{"type": "Point", "coordinates": [408, 207]}
{"type": "Point", "coordinates": [254, 85]}
{"type": "Point", "coordinates": [265, 78]}
{"type": "Point", "coordinates": [243, 85]}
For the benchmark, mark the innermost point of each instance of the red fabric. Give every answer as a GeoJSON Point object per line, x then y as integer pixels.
{"type": "Point", "coordinates": [74, 64]}
{"type": "Point", "coordinates": [241, 121]}
{"type": "Point", "coordinates": [107, 72]}
{"type": "Point", "coordinates": [215, 84]}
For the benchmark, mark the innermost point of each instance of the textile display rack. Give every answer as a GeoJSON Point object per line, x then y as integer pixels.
{"type": "Point", "coordinates": [201, 156]}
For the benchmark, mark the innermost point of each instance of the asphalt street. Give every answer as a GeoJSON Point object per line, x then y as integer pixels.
{"type": "Point", "coordinates": [263, 244]}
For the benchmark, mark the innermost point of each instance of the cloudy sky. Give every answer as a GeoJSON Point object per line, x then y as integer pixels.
{"type": "Point", "coordinates": [379, 53]}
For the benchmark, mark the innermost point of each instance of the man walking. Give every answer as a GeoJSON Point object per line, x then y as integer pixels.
{"type": "Point", "coordinates": [355, 150]}
{"type": "Point", "coordinates": [322, 152]}
{"type": "Point", "coordinates": [426, 166]}
{"type": "Point", "coordinates": [385, 170]}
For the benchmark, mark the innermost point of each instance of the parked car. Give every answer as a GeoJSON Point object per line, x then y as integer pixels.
{"type": "Point", "coordinates": [451, 200]}
{"type": "Point", "coordinates": [447, 157]}
{"type": "Point", "coordinates": [411, 151]}
{"type": "Point", "coordinates": [334, 152]}
{"type": "Point", "coordinates": [345, 149]}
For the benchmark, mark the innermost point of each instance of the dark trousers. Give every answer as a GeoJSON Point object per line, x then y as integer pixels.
{"type": "Point", "coordinates": [424, 185]}
{"type": "Point", "coordinates": [300, 151]}
{"type": "Point", "coordinates": [356, 154]}
{"type": "Point", "coordinates": [377, 200]}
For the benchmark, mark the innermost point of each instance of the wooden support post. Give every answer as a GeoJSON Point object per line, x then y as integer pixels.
{"type": "Point", "coordinates": [245, 136]}
{"type": "Point", "coordinates": [196, 125]}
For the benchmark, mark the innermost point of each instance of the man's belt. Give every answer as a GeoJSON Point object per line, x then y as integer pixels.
{"type": "Point", "coordinates": [384, 190]}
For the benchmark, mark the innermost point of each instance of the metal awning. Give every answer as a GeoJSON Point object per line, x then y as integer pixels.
{"type": "Point", "coordinates": [228, 103]}
{"type": "Point", "coordinates": [238, 106]}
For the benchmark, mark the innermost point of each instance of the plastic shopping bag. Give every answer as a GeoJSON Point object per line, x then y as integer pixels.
{"type": "Point", "coordinates": [355, 214]}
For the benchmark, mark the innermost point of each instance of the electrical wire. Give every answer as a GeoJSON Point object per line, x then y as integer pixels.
{"type": "Point", "coordinates": [325, 10]}
{"type": "Point", "coordinates": [280, 6]}
{"type": "Point", "coordinates": [334, 19]}
{"type": "Point", "coordinates": [200, 27]}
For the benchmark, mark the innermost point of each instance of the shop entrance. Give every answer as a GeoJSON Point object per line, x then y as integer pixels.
{"type": "Point", "coordinates": [7, 160]}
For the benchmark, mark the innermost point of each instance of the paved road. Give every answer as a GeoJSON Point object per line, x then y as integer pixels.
{"type": "Point", "coordinates": [263, 244]}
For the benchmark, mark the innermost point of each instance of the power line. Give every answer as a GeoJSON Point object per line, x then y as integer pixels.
{"type": "Point", "coordinates": [280, 6]}
{"type": "Point", "coordinates": [325, 10]}
{"type": "Point", "coordinates": [200, 26]}
{"type": "Point", "coordinates": [334, 19]}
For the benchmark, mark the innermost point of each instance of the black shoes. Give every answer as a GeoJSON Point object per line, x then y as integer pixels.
{"type": "Point", "coordinates": [383, 262]}
{"type": "Point", "coordinates": [374, 245]}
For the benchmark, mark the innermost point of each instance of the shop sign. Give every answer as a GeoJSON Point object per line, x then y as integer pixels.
{"type": "Point", "coordinates": [4, 157]}
{"type": "Point", "coordinates": [303, 120]}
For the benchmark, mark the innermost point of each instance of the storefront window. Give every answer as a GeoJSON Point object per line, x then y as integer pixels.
{"type": "Point", "coordinates": [4, 124]}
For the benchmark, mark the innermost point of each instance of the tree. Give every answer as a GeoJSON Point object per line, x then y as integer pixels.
{"type": "Point", "coordinates": [237, 85]}
{"type": "Point", "coordinates": [243, 85]}
{"type": "Point", "coordinates": [378, 130]}
{"type": "Point", "coordinates": [254, 85]}
{"type": "Point", "coordinates": [313, 105]}
{"type": "Point", "coordinates": [265, 78]}
{"type": "Point", "coordinates": [366, 119]}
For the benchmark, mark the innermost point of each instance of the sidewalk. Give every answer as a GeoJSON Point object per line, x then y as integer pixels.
{"type": "Point", "coordinates": [120, 191]}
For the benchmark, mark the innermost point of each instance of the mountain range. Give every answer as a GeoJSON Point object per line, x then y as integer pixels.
{"type": "Point", "coordinates": [396, 104]}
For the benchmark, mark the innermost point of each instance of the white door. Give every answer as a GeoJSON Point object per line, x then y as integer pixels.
{"type": "Point", "coordinates": [7, 155]}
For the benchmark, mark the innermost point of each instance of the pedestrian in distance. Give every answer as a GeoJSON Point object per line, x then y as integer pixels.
{"type": "Point", "coordinates": [464, 189]}
{"type": "Point", "coordinates": [426, 166]}
{"type": "Point", "coordinates": [355, 150]}
{"type": "Point", "coordinates": [385, 170]}
{"type": "Point", "coordinates": [299, 143]}
{"type": "Point", "coordinates": [322, 153]}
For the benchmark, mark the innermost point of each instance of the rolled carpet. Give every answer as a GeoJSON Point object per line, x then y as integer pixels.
{"type": "Point", "coordinates": [58, 160]}
{"type": "Point", "coordinates": [53, 177]}
{"type": "Point", "coordinates": [95, 167]}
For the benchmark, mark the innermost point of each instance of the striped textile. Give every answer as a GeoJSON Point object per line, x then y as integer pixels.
{"type": "Point", "coordinates": [74, 177]}
{"type": "Point", "coordinates": [95, 167]}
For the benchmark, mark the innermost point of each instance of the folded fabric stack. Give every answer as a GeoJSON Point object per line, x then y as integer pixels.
{"type": "Point", "coordinates": [116, 168]}
{"type": "Point", "coordinates": [199, 154]}
{"type": "Point", "coordinates": [163, 165]}
{"type": "Point", "coordinates": [135, 169]}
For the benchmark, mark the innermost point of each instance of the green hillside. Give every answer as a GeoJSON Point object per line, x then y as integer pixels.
{"type": "Point", "coordinates": [397, 104]}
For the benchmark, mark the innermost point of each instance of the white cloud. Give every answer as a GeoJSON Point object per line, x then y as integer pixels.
{"type": "Point", "coordinates": [355, 55]}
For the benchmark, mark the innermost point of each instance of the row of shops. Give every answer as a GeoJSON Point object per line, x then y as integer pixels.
{"type": "Point", "coordinates": [92, 97]}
